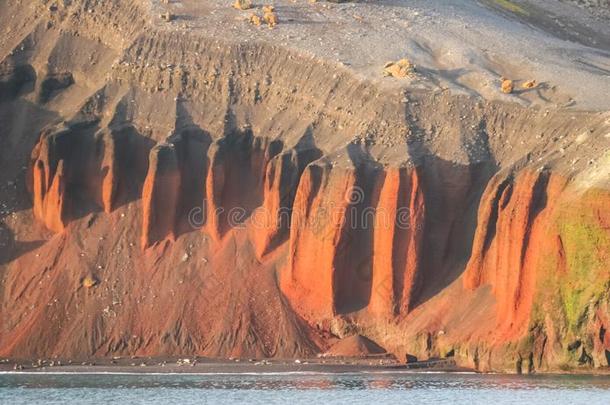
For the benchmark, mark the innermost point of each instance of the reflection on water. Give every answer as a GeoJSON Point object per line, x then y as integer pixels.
{"type": "Point", "coordinates": [328, 388]}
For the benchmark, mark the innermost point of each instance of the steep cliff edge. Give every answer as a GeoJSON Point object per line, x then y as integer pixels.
{"type": "Point", "coordinates": [184, 195]}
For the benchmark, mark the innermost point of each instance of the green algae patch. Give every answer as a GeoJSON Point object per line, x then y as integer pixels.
{"type": "Point", "coordinates": [510, 6]}
{"type": "Point", "coordinates": [586, 245]}
{"type": "Point", "coordinates": [573, 280]}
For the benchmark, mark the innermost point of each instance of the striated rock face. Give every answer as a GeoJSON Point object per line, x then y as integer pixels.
{"type": "Point", "coordinates": [50, 163]}
{"type": "Point", "coordinates": [365, 226]}
{"type": "Point", "coordinates": [110, 170]}
{"type": "Point", "coordinates": [272, 220]}
{"type": "Point", "coordinates": [537, 237]}
{"type": "Point", "coordinates": [287, 208]}
{"type": "Point", "coordinates": [316, 258]}
{"type": "Point", "coordinates": [74, 169]}
{"type": "Point", "coordinates": [398, 236]}
{"type": "Point", "coordinates": [513, 221]}
{"type": "Point", "coordinates": [354, 239]}
{"type": "Point", "coordinates": [234, 185]}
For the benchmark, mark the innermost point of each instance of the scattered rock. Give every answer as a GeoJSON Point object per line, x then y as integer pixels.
{"type": "Point", "coordinates": [401, 68]}
{"type": "Point", "coordinates": [507, 86]}
{"type": "Point", "coordinates": [243, 4]}
{"type": "Point", "coordinates": [270, 16]}
{"type": "Point", "coordinates": [255, 20]}
{"type": "Point", "coordinates": [167, 16]}
{"type": "Point", "coordinates": [89, 282]}
{"type": "Point", "coordinates": [530, 84]}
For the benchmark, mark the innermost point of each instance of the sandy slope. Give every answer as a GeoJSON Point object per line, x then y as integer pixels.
{"type": "Point", "coordinates": [462, 45]}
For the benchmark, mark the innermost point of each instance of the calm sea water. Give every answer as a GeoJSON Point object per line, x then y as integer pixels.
{"type": "Point", "coordinates": [312, 389]}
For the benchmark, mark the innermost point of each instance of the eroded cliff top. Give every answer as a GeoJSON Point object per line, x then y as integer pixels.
{"type": "Point", "coordinates": [464, 46]}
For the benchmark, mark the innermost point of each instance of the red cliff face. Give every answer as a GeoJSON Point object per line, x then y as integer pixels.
{"type": "Point", "coordinates": [271, 221]}
{"type": "Point", "coordinates": [319, 220]}
{"type": "Point", "coordinates": [48, 181]}
{"type": "Point", "coordinates": [349, 239]}
{"type": "Point", "coordinates": [355, 241]}
{"type": "Point", "coordinates": [537, 238]}
{"type": "Point", "coordinates": [72, 168]}
{"type": "Point", "coordinates": [513, 223]}
{"type": "Point", "coordinates": [398, 237]}
{"type": "Point", "coordinates": [49, 200]}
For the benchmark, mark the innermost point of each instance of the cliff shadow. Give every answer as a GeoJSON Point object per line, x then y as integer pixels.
{"type": "Point", "coordinates": [10, 248]}
{"type": "Point", "coordinates": [283, 177]}
{"type": "Point", "coordinates": [20, 125]}
{"type": "Point", "coordinates": [452, 194]}
{"type": "Point", "coordinates": [238, 167]}
{"type": "Point", "coordinates": [353, 278]}
{"type": "Point", "coordinates": [16, 81]}
{"type": "Point", "coordinates": [194, 143]}
{"type": "Point", "coordinates": [116, 157]}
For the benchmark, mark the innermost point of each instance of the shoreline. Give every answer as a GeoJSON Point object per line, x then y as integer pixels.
{"type": "Point", "coordinates": [205, 366]}
{"type": "Point", "coordinates": [146, 365]}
